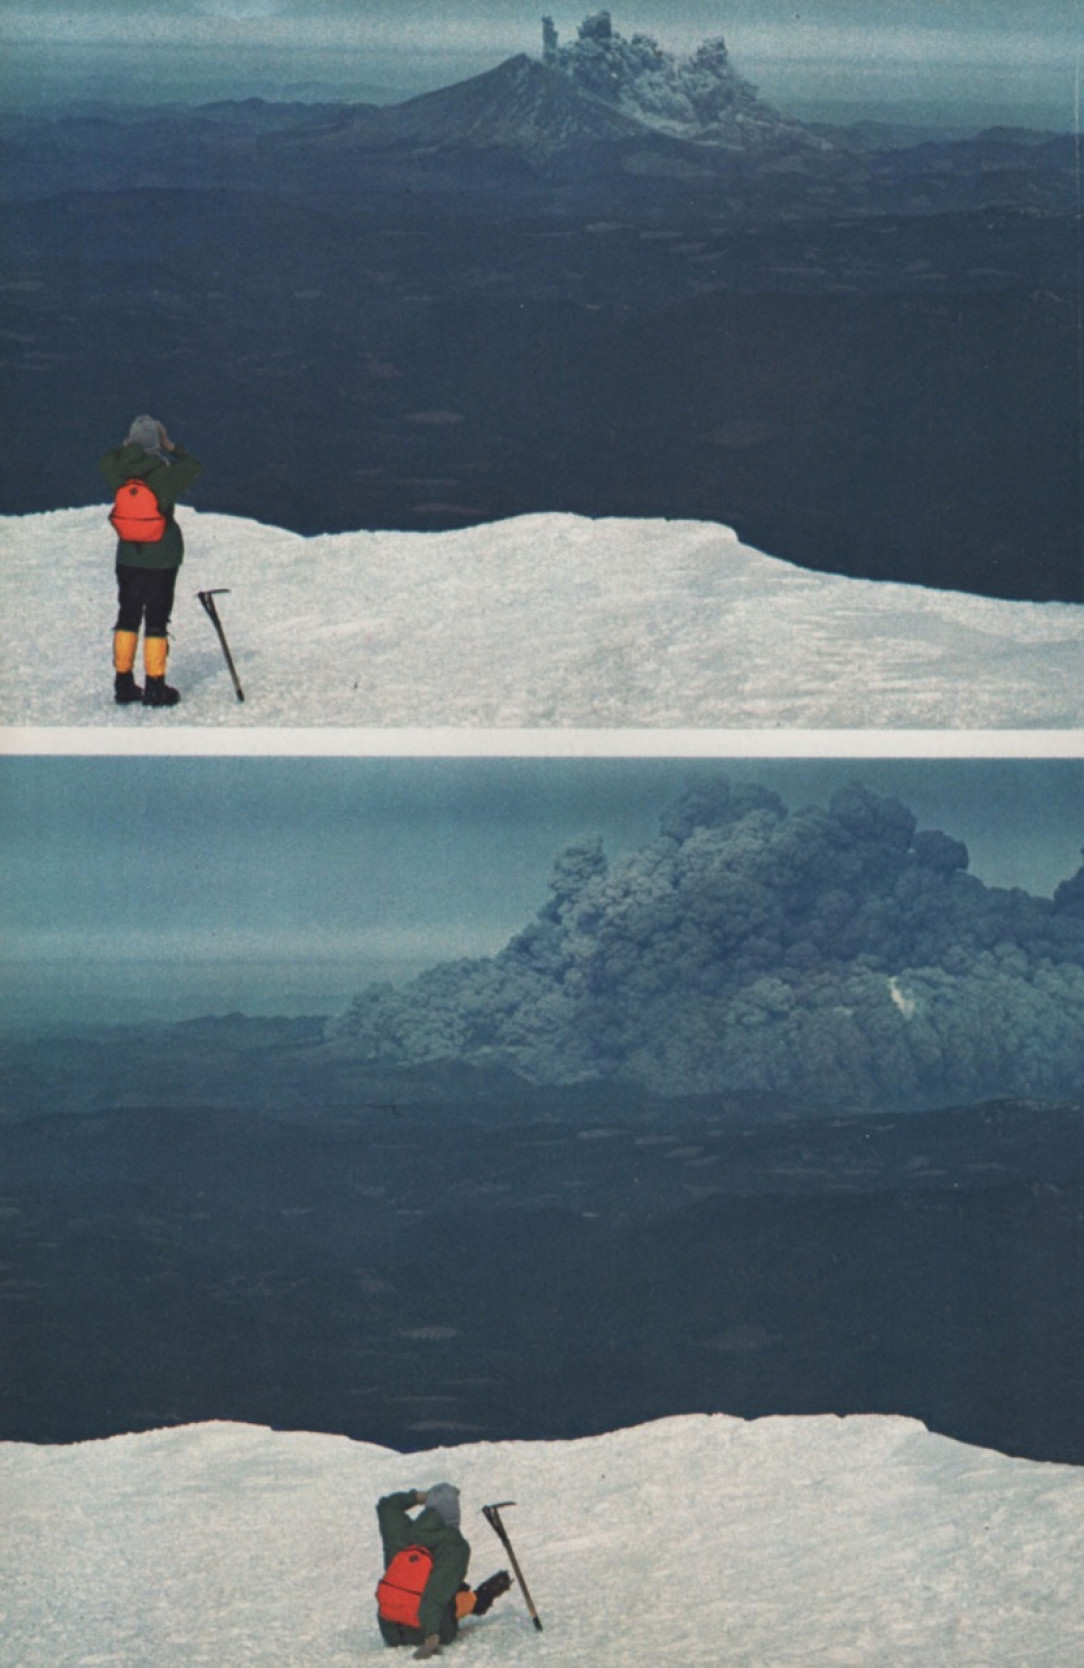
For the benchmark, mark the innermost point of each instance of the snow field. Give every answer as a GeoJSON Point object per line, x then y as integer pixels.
{"type": "Point", "coordinates": [543, 620]}
{"type": "Point", "coordinates": [863, 1542]}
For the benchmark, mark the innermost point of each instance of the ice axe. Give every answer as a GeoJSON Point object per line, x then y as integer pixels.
{"type": "Point", "coordinates": [208, 600]}
{"type": "Point", "coordinates": [492, 1515]}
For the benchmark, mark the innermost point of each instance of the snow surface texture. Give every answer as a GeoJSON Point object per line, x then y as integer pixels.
{"type": "Point", "coordinates": [864, 1541]}
{"type": "Point", "coordinates": [544, 620]}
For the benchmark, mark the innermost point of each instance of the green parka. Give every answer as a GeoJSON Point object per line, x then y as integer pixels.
{"type": "Point", "coordinates": [451, 1555]}
{"type": "Point", "coordinates": [167, 481]}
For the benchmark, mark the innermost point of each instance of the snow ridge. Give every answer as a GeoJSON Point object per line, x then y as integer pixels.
{"type": "Point", "coordinates": [863, 1542]}
{"type": "Point", "coordinates": [547, 620]}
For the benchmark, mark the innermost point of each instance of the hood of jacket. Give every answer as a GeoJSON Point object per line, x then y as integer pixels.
{"type": "Point", "coordinates": [135, 461]}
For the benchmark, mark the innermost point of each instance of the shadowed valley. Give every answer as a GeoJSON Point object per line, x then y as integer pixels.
{"type": "Point", "coordinates": [411, 1275]}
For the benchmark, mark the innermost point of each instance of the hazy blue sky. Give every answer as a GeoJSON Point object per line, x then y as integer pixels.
{"type": "Point", "coordinates": [323, 858]}
{"type": "Point", "coordinates": [999, 51]}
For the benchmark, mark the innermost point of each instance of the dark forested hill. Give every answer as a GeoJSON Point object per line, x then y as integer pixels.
{"type": "Point", "coordinates": [409, 1279]}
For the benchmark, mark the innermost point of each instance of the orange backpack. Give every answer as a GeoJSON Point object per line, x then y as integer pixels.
{"type": "Point", "coordinates": [135, 514]}
{"type": "Point", "coordinates": [398, 1595]}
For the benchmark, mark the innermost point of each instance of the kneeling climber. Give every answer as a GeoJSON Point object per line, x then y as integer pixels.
{"type": "Point", "coordinates": [423, 1595]}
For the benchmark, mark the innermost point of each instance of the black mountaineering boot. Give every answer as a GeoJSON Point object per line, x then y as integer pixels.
{"type": "Point", "coordinates": [489, 1590]}
{"type": "Point", "coordinates": [158, 693]}
{"type": "Point", "coordinates": [125, 689]}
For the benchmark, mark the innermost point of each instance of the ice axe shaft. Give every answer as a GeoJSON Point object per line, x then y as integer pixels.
{"type": "Point", "coordinates": [492, 1515]}
{"type": "Point", "coordinates": [208, 600]}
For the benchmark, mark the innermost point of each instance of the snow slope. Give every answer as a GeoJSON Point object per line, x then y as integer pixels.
{"type": "Point", "coordinates": [863, 1541]}
{"type": "Point", "coordinates": [544, 620]}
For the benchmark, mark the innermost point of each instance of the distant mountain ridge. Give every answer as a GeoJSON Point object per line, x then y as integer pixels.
{"type": "Point", "coordinates": [600, 125]}
{"type": "Point", "coordinates": [600, 89]}
{"type": "Point", "coordinates": [520, 104]}
{"type": "Point", "coordinates": [861, 354]}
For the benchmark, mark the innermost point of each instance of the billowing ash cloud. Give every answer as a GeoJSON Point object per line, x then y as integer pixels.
{"type": "Point", "coordinates": [698, 95]}
{"type": "Point", "coordinates": [835, 954]}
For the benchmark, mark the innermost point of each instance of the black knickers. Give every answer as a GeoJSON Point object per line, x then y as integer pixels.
{"type": "Point", "coordinates": [145, 597]}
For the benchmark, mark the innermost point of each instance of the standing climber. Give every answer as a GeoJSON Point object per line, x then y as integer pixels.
{"type": "Point", "coordinates": [147, 472]}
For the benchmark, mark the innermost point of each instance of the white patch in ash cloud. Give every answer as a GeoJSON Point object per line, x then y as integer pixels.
{"type": "Point", "coordinates": [907, 1005]}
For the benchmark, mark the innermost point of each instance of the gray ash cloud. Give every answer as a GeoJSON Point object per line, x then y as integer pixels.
{"type": "Point", "coordinates": [697, 95]}
{"type": "Point", "coordinates": [839, 954]}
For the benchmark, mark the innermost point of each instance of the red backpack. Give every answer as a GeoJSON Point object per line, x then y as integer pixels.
{"type": "Point", "coordinates": [136, 515]}
{"type": "Point", "coordinates": [398, 1595]}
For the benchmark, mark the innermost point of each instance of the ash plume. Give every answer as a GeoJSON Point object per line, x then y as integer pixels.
{"type": "Point", "coordinates": [839, 954]}
{"type": "Point", "coordinates": [697, 95]}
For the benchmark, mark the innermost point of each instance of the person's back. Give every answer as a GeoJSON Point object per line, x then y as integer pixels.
{"type": "Point", "coordinates": [445, 1598]}
{"type": "Point", "coordinates": [147, 567]}
{"type": "Point", "coordinates": [436, 1528]}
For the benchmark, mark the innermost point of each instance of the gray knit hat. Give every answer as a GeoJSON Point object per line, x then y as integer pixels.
{"type": "Point", "coordinates": [144, 432]}
{"type": "Point", "coordinates": [444, 1498]}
